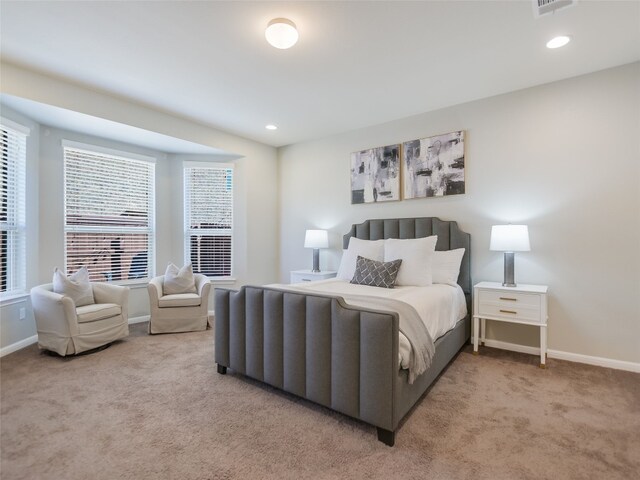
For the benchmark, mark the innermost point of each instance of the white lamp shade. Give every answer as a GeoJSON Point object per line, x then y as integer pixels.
{"type": "Point", "coordinates": [510, 238]}
{"type": "Point", "coordinates": [316, 239]}
{"type": "Point", "coordinates": [281, 33]}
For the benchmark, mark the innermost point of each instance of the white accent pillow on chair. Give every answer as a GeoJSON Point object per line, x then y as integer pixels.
{"type": "Point", "coordinates": [76, 286]}
{"type": "Point", "coordinates": [178, 281]}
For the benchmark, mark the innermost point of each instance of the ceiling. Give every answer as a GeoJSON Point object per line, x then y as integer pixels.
{"type": "Point", "coordinates": [356, 63]}
{"type": "Point", "coordinates": [100, 127]}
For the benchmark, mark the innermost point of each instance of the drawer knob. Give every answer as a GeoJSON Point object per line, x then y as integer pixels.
{"type": "Point", "coordinates": [510, 299]}
{"type": "Point", "coordinates": [508, 311]}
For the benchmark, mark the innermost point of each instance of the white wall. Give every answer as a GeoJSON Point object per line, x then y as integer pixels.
{"type": "Point", "coordinates": [12, 328]}
{"type": "Point", "coordinates": [255, 183]}
{"type": "Point", "coordinates": [256, 173]}
{"type": "Point", "coordinates": [563, 158]}
{"type": "Point", "coordinates": [51, 220]}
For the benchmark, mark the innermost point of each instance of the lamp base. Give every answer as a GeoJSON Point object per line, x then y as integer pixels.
{"type": "Point", "coordinates": [316, 260]}
{"type": "Point", "coordinates": [509, 276]}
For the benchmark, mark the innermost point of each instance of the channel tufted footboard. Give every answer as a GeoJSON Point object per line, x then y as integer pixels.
{"type": "Point", "coordinates": [313, 346]}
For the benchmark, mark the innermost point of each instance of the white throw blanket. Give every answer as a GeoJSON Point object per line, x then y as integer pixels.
{"type": "Point", "coordinates": [410, 323]}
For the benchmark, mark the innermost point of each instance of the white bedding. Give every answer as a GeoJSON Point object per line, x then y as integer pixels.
{"type": "Point", "coordinates": [440, 306]}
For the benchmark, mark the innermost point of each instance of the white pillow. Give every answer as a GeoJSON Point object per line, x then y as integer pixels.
{"type": "Point", "coordinates": [76, 286]}
{"type": "Point", "coordinates": [446, 266]}
{"type": "Point", "coordinates": [178, 281]}
{"type": "Point", "coordinates": [371, 249]}
{"type": "Point", "coordinates": [417, 257]}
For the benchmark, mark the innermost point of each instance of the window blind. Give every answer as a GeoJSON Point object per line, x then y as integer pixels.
{"type": "Point", "coordinates": [208, 203]}
{"type": "Point", "coordinates": [12, 212]}
{"type": "Point", "coordinates": [109, 215]}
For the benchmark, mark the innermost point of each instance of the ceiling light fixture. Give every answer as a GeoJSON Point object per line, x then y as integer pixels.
{"type": "Point", "coordinates": [271, 127]}
{"type": "Point", "coordinates": [558, 42]}
{"type": "Point", "coordinates": [281, 33]}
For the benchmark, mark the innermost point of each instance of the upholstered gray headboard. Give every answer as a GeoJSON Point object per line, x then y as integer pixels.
{"type": "Point", "coordinates": [449, 235]}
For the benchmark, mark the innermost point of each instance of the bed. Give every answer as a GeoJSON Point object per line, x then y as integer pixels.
{"type": "Point", "coordinates": [316, 346]}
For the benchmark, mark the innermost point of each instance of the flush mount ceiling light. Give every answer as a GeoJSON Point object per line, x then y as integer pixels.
{"type": "Point", "coordinates": [559, 41]}
{"type": "Point", "coordinates": [281, 33]}
{"type": "Point", "coordinates": [271, 127]}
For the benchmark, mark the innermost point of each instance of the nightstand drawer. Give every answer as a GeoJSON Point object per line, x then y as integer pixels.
{"type": "Point", "coordinates": [299, 276]}
{"type": "Point", "coordinates": [509, 299]}
{"type": "Point", "coordinates": [512, 312]}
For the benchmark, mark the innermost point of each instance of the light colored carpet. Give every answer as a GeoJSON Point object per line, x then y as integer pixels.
{"type": "Point", "coordinates": [154, 407]}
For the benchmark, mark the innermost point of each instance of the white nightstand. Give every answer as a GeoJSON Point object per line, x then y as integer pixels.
{"type": "Point", "coordinates": [298, 276]}
{"type": "Point", "coordinates": [526, 304]}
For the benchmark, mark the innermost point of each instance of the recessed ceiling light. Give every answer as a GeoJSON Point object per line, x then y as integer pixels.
{"type": "Point", "coordinates": [558, 42]}
{"type": "Point", "coordinates": [271, 127]}
{"type": "Point", "coordinates": [281, 33]}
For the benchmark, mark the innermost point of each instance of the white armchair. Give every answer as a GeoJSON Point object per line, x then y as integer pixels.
{"type": "Point", "coordinates": [183, 312]}
{"type": "Point", "coordinates": [67, 330]}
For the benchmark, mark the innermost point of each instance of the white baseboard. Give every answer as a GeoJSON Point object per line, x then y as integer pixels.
{"type": "Point", "coordinates": [514, 347]}
{"type": "Point", "coordinates": [34, 339]}
{"type": "Point", "coordinates": [560, 355]}
{"type": "Point", "coordinates": [571, 357]}
{"type": "Point", "coordinates": [18, 345]}
{"type": "Point", "coordinates": [140, 319]}
{"type": "Point", "coordinates": [598, 361]}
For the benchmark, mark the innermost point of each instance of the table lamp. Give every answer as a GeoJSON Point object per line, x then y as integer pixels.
{"type": "Point", "coordinates": [509, 239]}
{"type": "Point", "coordinates": [316, 239]}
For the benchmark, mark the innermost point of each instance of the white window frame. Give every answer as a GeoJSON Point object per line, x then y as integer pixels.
{"type": "Point", "coordinates": [187, 215]}
{"type": "Point", "coordinates": [150, 230]}
{"type": "Point", "coordinates": [16, 212]}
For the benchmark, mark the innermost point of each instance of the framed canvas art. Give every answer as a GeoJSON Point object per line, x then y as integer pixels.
{"type": "Point", "coordinates": [434, 166]}
{"type": "Point", "coordinates": [375, 175]}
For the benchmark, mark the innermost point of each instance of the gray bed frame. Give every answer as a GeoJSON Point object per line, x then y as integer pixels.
{"type": "Point", "coordinates": [319, 348]}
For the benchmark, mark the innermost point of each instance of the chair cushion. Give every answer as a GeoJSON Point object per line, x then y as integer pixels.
{"type": "Point", "coordinates": [180, 300]}
{"type": "Point", "coordinates": [97, 311]}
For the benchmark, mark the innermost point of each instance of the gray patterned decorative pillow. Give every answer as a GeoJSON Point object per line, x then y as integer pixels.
{"type": "Point", "coordinates": [376, 274]}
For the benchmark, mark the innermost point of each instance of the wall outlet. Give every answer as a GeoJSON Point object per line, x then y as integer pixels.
{"type": "Point", "coordinates": [23, 313]}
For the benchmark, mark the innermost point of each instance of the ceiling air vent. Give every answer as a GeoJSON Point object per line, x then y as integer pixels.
{"type": "Point", "coordinates": [542, 7]}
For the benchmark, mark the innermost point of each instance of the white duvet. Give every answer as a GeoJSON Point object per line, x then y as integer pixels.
{"type": "Point", "coordinates": [440, 306]}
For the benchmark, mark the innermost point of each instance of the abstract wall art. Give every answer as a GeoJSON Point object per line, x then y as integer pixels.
{"type": "Point", "coordinates": [434, 166]}
{"type": "Point", "coordinates": [375, 175]}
